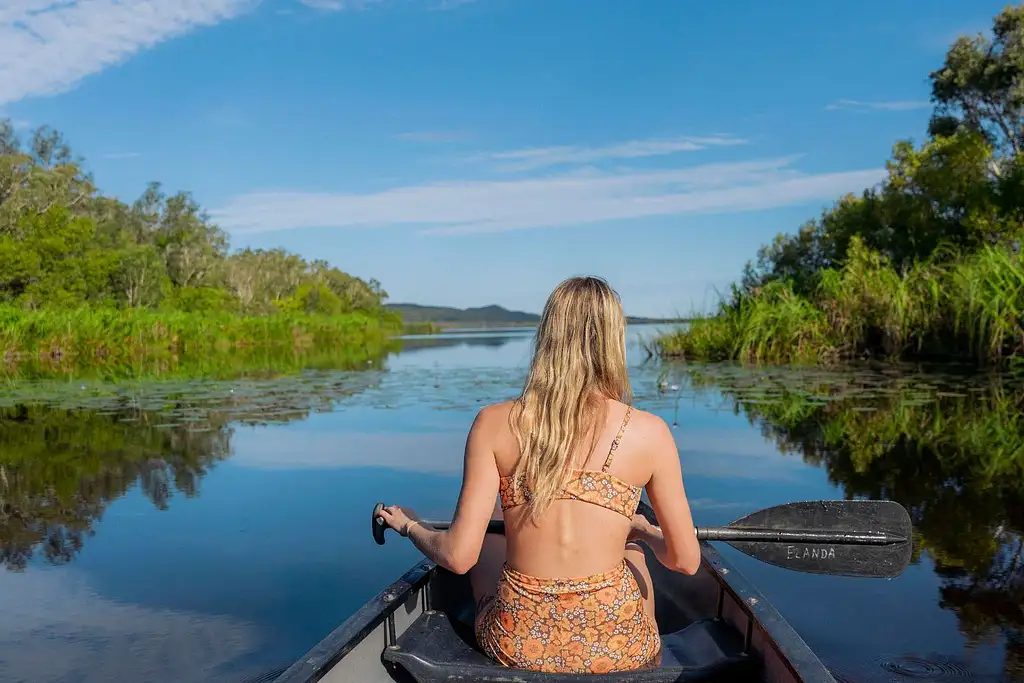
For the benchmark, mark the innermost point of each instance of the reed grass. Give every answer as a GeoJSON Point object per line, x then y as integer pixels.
{"type": "Point", "coordinates": [124, 336]}
{"type": "Point", "coordinates": [421, 327]}
{"type": "Point", "coordinates": [952, 306]}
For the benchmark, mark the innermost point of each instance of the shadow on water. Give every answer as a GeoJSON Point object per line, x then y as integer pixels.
{"type": "Point", "coordinates": [949, 447]}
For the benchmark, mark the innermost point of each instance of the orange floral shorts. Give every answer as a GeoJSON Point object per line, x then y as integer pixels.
{"type": "Point", "coordinates": [595, 624]}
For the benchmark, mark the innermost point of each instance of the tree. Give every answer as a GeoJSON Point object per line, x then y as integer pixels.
{"type": "Point", "coordinates": [62, 244]}
{"type": "Point", "coordinates": [980, 86]}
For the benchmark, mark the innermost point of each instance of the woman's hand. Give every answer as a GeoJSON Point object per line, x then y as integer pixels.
{"type": "Point", "coordinates": [639, 528]}
{"type": "Point", "coordinates": [399, 518]}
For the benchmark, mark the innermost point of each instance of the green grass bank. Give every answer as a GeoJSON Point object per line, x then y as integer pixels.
{"type": "Point", "coordinates": [969, 307]}
{"type": "Point", "coordinates": [53, 341]}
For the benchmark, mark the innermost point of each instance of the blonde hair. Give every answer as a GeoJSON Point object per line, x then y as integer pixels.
{"type": "Point", "coordinates": [579, 358]}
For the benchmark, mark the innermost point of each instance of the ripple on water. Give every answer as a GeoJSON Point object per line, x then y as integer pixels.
{"type": "Point", "coordinates": [894, 668]}
{"type": "Point", "coordinates": [909, 666]}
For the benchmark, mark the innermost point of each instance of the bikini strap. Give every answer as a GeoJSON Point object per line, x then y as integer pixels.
{"type": "Point", "coordinates": [618, 438]}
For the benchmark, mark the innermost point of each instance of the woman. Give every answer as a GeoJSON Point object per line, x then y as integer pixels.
{"type": "Point", "coordinates": [567, 588]}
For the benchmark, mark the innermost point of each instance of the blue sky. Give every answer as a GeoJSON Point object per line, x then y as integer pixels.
{"type": "Point", "coordinates": [467, 152]}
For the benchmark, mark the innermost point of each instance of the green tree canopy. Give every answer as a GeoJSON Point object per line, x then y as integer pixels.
{"type": "Point", "coordinates": [65, 245]}
{"type": "Point", "coordinates": [961, 189]}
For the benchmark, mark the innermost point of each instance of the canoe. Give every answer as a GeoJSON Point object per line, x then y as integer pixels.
{"type": "Point", "coordinates": [715, 626]}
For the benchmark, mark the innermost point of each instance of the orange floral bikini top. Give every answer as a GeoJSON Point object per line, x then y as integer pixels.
{"type": "Point", "coordinates": [599, 487]}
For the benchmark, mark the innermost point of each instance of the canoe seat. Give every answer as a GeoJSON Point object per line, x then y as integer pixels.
{"type": "Point", "coordinates": [434, 650]}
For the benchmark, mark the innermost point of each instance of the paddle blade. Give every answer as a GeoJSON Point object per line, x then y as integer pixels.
{"type": "Point", "coordinates": [845, 517]}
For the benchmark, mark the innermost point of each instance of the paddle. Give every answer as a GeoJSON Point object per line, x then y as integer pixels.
{"type": "Point", "coordinates": [866, 538]}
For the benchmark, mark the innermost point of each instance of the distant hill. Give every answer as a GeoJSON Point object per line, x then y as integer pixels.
{"type": "Point", "coordinates": [483, 315]}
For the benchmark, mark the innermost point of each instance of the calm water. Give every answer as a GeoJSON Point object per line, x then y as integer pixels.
{"type": "Point", "coordinates": [214, 531]}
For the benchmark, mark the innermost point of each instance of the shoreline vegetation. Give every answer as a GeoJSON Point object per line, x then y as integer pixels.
{"type": "Point", "coordinates": [926, 266]}
{"type": "Point", "coordinates": [120, 344]}
{"type": "Point", "coordinates": [88, 281]}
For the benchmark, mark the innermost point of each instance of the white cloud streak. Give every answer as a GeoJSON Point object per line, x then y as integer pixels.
{"type": "Point", "coordinates": [543, 157]}
{"type": "Point", "coordinates": [459, 207]}
{"type": "Point", "coordinates": [338, 5]}
{"type": "Point", "coordinates": [893, 105]}
{"type": "Point", "coordinates": [49, 46]}
{"type": "Point", "coordinates": [446, 5]}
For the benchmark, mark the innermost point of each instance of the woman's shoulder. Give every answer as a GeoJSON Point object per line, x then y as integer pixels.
{"type": "Point", "coordinates": [637, 416]}
{"type": "Point", "coordinates": [499, 409]}
{"type": "Point", "coordinates": [650, 426]}
{"type": "Point", "coordinates": [493, 415]}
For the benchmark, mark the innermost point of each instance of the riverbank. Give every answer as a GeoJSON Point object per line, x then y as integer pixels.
{"type": "Point", "coordinates": [966, 308]}
{"type": "Point", "coordinates": [127, 341]}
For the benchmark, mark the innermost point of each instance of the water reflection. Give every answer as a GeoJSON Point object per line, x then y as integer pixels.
{"type": "Point", "coordinates": [215, 529]}
{"type": "Point", "coordinates": [68, 454]}
{"type": "Point", "coordinates": [481, 348]}
{"type": "Point", "coordinates": [90, 637]}
{"type": "Point", "coordinates": [949, 448]}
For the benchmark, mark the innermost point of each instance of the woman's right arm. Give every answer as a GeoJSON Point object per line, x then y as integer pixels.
{"type": "Point", "coordinates": [675, 541]}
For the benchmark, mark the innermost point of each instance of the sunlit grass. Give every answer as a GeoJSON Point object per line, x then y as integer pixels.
{"type": "Point", "coordinates": [126, 338]}
{"type": "Point", "coordinates": [950, 307]}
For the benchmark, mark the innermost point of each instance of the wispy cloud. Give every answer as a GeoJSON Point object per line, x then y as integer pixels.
{"type": "Point", "coordinates": [329, 5]}
{"type": "Point", "coordinates": [471, 206]}
{"type": "Point", "coordinates": [50, 46]}
{"type": "Point", "coordinates": [451, 4]}
{"type": "Point", "coordinates": [338, 5]}
{"type": "Point", "coordinates": [892, 105]}
{"type": "Point", "coordinates": [121, 155]}
{"type": "Point", "coordinates": [542, 157]}
{"type": "Point", "coordinates": [435, 136]}
{"type": "Point", "coordinates": [47, 46]}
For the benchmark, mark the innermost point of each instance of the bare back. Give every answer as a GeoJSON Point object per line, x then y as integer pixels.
{"type": "Point", "coordinates": [573, 537]}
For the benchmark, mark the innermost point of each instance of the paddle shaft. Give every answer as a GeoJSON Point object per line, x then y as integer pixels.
{"type": "Point", "coordinates": [725, 533]}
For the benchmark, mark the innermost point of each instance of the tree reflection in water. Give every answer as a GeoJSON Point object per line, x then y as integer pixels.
{"type": "Point", "coordinates": [65, 459]}
{"type": "Point", "coordinates": [950, 448]}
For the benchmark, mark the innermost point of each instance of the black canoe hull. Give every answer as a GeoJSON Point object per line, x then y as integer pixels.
{"type": "Point", "coordinates": [373, 645]}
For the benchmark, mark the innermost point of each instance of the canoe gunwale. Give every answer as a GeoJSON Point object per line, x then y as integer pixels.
{"type": "Point", "coordinates": [324, 655]}
{"type": "Point", "coordinates": [794, 652]}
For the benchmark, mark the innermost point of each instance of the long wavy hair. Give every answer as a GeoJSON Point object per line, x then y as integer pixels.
{"type": "Point", "coordinates": [579, 358]}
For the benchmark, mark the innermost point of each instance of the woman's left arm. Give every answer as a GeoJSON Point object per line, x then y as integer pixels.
{"type": "Point", "coordinates": [457, 548]}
